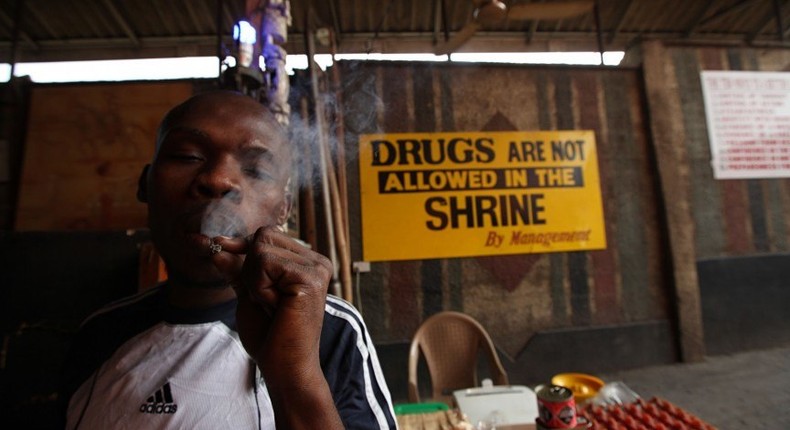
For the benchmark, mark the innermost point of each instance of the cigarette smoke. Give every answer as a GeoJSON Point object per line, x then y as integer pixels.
{"type": "Point", "coordinates": [358, 88]}
{"type": "Point", "coordinates": [220, 219]}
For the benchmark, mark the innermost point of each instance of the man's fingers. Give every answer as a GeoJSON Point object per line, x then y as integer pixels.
{"type": "Point", "coordinates": [276, 262]}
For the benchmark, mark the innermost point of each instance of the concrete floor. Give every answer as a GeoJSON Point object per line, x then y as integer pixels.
{"type": "Point", "coordinates": [749, 390]}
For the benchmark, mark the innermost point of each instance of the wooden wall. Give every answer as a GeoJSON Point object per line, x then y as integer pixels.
{"type": "Point", "coordinates": [86, 143]}
{"type": "Point", "coordinates": [14, 98]}
{"type": "Point", "coordinates": [732, 217]}
{"type": "Point", "coordinates": [728, 238]}
{"type": "Point", "coordinates": [85, 147]}
{"type": "Point", "coordinates": [517, 296]}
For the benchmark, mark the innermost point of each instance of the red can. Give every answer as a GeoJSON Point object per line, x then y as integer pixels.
{"type": "Point", "coordinates": [556, 407]}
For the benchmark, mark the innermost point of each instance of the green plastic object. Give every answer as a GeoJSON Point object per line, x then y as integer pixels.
{"type": "Point", "coordinates": [420, 408]}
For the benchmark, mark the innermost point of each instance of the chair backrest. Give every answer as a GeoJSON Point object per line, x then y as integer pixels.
{"type": "Point", "coordinates": [450, 343]}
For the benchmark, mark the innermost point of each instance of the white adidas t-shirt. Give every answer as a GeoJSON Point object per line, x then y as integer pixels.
{"type": "Point", "coordinates": [140, 364]}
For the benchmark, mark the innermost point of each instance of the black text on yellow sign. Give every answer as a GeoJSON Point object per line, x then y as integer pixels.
{"type": "Point", "coordinates": [437, 195]}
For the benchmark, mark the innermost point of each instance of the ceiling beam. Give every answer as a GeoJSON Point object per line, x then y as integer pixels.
{"type": "Point", "coordinates": [32, 11]}
{"type": "Point", "coordinates": [218, 32]}
{"type": "Point", "coordinates": [779, 24]}
{"type": "Point", "coordinates": [338, 29]}
{"type": "Point", "coordinates": [759, 28]}
{"type": "Point", "coordinates": [445, 21]}
{"type": "Point", "coordinates": [12, 24]}
{"type": "Point", "coordinates": [698, 19]}
{"type": "Point", "coordinates": [229, 18]}
{"type": "Point", "coordinates": [437, 20]}
{"type": "Point", "coordinates": [599, 30]}
{"type": "Point", "coordinates": [158, 47]}
{"type": "Point", "coordinates": [127, 29]}
{"type": "Point", "coordinates": [193, 16]}
{"type": "Point", "coordinates": [721, 13]}
{"type": "Point", "coordinates": [163, 18]}
{"type": "Point", "coordinates": [422, 42]}
{"type": "Point", "coordinates": [533, 28]}
{"type": "Point", "coordinates": [620, 21]}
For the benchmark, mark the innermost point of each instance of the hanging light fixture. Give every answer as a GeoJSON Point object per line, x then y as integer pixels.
{"type": "Point", "coordinates": [245, 76]}
{"type": "Point", "coordinates": [245, 36]}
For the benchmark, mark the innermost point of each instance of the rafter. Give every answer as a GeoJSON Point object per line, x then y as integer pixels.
{"type": "Point", "coordinates": [336, 27]}
{"type": "Point", "coordinates": [759, 28]}
{"type": "Point", "coordinates": [437, 20]}
{"type": "Point", "coordinates": [721, 13]}
{"type": "Point", "coordinates": [193, 16]}
{"type": "Point", "coordinates": [165, 21]}
{"type": "Point", "coordinates": [228, 15]}
{"type": "Point", "coordinates": [22, 35]}
{"type": "Point", "coordinates": [41, 21]}
{"type": "Point", "coordinates": [533, 28]}
{"type": "Point", "coordinates": [698, 19]}
{"type": "Point", "coordinates": [599, 30]}
{"type": "Point", "coordinates": [779, 23]}
{"type": "Point", "coordinates": [620, 21]}
{"type": "Point", "coordinates": [127, 29]}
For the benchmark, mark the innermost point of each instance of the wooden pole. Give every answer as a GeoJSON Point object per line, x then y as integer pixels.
{"type": "Point", "coordinates": [219, 41]}
{"type": "Point", "coordinates": [342, 180]}
{"type": "Point", "coordinates": [599, 30]}
{"type": "Point", "coordinates": [323, 146]}
{"type": "Point", "coordinates": [307, 223]}
{"type": "Point", "coordinates": [340, 135]}
{"type": "Point", "coordinates": [666, 126]}
{"type": "Point", "coordinates": [340, 235]}
{"type": "Point", "coordinates": [15, 31]}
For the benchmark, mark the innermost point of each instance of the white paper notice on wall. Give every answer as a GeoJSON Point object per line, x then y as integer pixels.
{"type": "Point", "coordinates": [748, 118]}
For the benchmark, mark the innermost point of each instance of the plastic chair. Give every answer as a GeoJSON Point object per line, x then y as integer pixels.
{"type": "Point", "coordinates": [450, 342]}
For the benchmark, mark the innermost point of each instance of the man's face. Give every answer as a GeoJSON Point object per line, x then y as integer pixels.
{"type": "Point", "coordinates": [221, 169]}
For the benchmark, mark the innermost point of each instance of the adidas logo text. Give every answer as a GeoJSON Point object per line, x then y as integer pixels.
{"type": "Point", "coordinates": [158, 408]}
{"type": "Point", "coordinates": [161, 402]}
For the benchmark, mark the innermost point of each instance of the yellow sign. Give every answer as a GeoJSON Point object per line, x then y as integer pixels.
{"type": "Point", "coordinates": [437, 195]}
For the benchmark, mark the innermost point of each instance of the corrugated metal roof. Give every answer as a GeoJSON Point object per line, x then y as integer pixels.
{"type": "Point", "coordinates": [89, 29]}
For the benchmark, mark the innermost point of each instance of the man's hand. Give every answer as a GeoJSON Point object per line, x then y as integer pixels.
{"type": "Point", "coordinates": [281, 288]}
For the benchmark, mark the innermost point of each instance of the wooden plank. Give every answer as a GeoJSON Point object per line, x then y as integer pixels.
{"type": "Point", "coordinates": [735, 204]}
{"type": "Point", "coordinates": [773, 197]}
{"type": "Point", "coordinates": [447, 108]}
{"type": "Point", "coordinates": [86, 146]}
{"type": "Point", "coordinates": [545, 105]}
{"type": "Point", "coordinates": [577, 261]}
{"type": "Point", "coordinates": [361, 109]}
{"type": "Point", "coordinates": [635, 196]}
{"type": "Point", "coordinates": [605, 279]}
{"type": "Point", "coordinates": [431, 278]}
{"type": "Point", "coordinates": [404, 282]}
{"type": "Point", "coordinates": [775, 216]}
{"type": "Point", "coordinates": [754, 190]}
{"type": "Point", "coordinates": [654, 226]}
{"type": "Point", "coordinates": [776, 201]}
{"type": "Point", "coordinates": [706, 200]}
{"type": "Point", "coordinates": [673, 167]}
{"type": "Point", "coordinates": [405, 298]}
{"type": "Point", "coordinates": [629, 163]}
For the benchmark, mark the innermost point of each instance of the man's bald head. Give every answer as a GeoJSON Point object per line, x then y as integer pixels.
{"type": "Point", "coordinates": [214, 101]}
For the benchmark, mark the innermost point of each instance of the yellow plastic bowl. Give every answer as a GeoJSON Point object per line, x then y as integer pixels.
{"type": "Point", "coordinates": [583, 386]}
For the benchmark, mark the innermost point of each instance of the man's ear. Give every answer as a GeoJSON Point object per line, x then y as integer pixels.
{"type": "Point", "coordinates": [142, 185]}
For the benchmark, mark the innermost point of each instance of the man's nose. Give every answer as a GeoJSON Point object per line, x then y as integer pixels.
{"type": "Point", "coordinates": [217, 179]}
